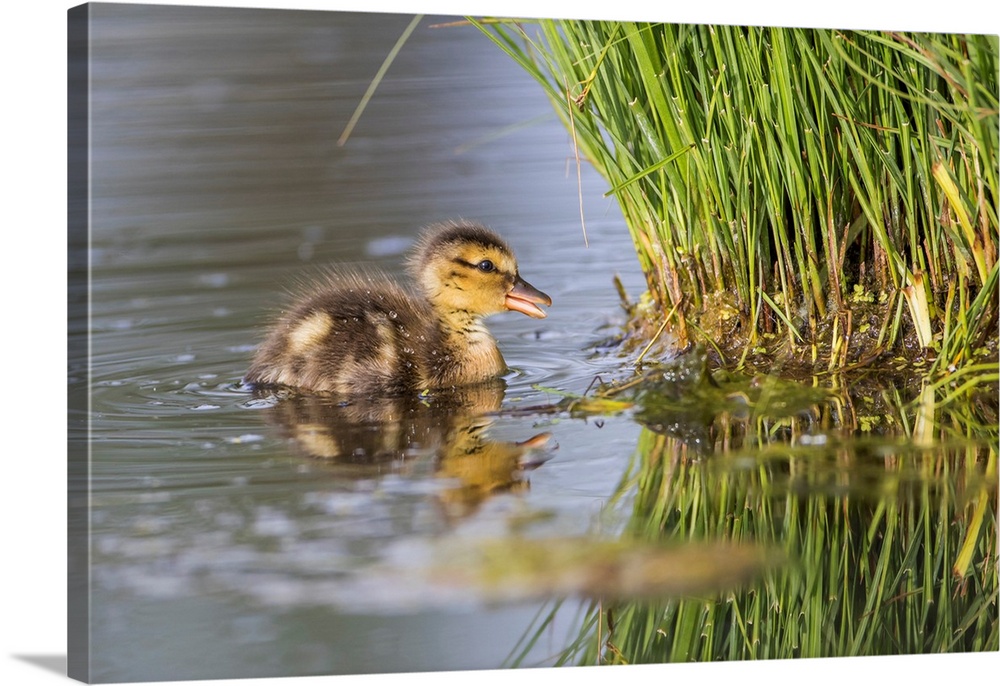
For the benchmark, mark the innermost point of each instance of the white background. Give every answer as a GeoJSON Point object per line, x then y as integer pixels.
{"type": "Point", "coordinates": [33, 328]}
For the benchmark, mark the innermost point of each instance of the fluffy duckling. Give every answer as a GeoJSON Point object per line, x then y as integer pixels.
{"type": "Point", "coordinates": [361, 334]}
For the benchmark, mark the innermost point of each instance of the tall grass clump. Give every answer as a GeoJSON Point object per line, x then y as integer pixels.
{"type": "Point", "coordinates": [810, 196]}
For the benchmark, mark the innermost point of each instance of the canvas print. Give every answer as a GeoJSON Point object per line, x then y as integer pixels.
{"type": "Point", "coordinates": [401, 343]}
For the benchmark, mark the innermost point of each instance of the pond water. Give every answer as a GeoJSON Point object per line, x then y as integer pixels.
{"type": "Point", "coordinates": [217, 184]}
{"type": "Point", "coordinates": [240, 536]}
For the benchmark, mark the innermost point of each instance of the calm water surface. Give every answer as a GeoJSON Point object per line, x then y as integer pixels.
{"type": "Point", "coordinates": [218, 184]}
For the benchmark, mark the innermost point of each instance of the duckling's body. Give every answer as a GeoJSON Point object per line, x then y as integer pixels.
{"type": "Point", "coordinates": [364, 334]}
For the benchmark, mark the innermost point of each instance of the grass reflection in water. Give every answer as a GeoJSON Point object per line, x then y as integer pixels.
{"type": "Point", "coordinates": [889, 533]}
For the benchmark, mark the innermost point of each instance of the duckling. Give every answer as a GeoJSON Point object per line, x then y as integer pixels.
{"type": "Point", "coordinates": [363, 334]}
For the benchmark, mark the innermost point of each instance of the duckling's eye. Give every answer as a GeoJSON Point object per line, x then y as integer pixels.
{"type": "Point", "coordinates": [486, 266]}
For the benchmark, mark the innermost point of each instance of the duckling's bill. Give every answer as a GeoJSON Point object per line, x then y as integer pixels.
{"type": "Point", "coordinates": [525, 298]}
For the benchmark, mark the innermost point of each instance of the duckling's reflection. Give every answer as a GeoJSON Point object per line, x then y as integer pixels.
{"type": "Point", "coordinates": [373, 436]}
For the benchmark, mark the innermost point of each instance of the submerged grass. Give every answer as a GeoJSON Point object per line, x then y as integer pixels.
{"type": "Point", "coordinates": [834, 192]}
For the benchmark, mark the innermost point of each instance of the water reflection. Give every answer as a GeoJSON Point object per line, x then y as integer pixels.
{"type": "Point", "coordinates": [889, 543]}
{"type": "Point", "coordinates": [364, 437]}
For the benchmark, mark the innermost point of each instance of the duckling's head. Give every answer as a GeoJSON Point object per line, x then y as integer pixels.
{"type": "Point", "coordinates": [466, 269]}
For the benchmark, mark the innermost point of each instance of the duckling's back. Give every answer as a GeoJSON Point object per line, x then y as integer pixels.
{"type": "Point", "coordinates": [356, 334]}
